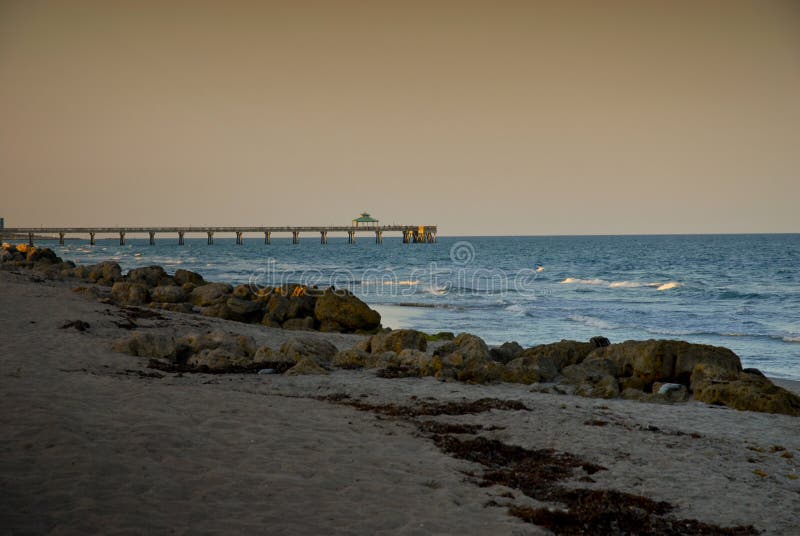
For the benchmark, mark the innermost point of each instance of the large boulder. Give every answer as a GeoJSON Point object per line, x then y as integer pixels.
{"type": "Point", "coordinates": [471, 347]}
{"type": "Point", "coordinates": [664, 360]}
{"type": "Point", "coordinates": [508, 351]}
{"type": "Point", "coordinates": [320, 350]}
{"type": "Point", "coordinates": [301, 306]}
{"type": "Point", "coordinates": [42, 256]}
{"type": "Point", "coordinates": [104, 273]}
{"type": "Point", "coordinates": [277, 309]}
{"type": "Point", "coordinates": [148, 275]}
{"type": "Point", "coordinates": [749, 391]}
{"type": "Point", "coordinates": [167, 294]}
{"type": "Point", "coordinates": [193, 343]}
{"type": "Point", "coordinates": [243, 310]}
{"type": "Point", "coordinates": [530, 369]}
{"type": "Point", "coordinates": [210, 294]}
{"type": "Point", "coordinates": [126, 293]}
{"type": "Point", "coordinates": [342, 309]}
{"type": "Point", "coordinates": [182, 277]}
{"type": "Point", "coordinates": [562, 354]}
{"type": "Point", "coordinates": [398, 340]}
{"type": "Point", "coordinates": [146, 344]}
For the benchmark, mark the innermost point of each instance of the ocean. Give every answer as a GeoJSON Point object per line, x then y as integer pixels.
{"type": "Point", "coordinates": [738, 291]}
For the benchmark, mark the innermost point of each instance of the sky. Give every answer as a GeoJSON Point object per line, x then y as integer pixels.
{"type": "Point", "coordinates": [486, 118]}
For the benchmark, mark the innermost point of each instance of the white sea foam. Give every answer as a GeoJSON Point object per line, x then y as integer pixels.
{"type": "Point", "coordinates": [791, 339]}
{"type": "Point", "coordinates": [669, 286]}
{"type": "Point", "coordinates": [578, 281]}
{"type": "Point", "coordinates": [516, 309]}
{"type": "Point", "coordinates": [620, 284]}
{"type": "Point", "coordinates": [631, 284]}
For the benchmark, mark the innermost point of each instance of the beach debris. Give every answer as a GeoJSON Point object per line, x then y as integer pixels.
{"type": "Point", "coordinates": [266, 371]}
{"type": "Point", "coordinates": [306, 366]}
{"type": "Point", "coordinates": [79, 325]}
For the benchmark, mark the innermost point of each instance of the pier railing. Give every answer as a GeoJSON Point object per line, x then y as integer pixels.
{"type": "Point", "coordinates": [410, 233]}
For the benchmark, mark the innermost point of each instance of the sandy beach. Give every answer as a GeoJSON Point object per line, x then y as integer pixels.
{"type": "Point", "coordinates": [93, 441]}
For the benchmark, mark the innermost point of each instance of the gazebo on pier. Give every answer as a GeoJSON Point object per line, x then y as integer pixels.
{"type": "Point", "coordinates": [365, 220]}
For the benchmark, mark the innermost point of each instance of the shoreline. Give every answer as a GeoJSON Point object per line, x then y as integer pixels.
{"type": "Point", "coordinates": [95, 438]}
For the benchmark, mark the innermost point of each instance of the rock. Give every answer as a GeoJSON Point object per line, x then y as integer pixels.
{"type": "Point", "coordinates": [599, 342]}
{"type": "Point", "coordinates": [563, 353]}
{"type": "Point", "coordinates": [301, 306]}
{"type": "Point", "coordinates": [749, 392]}
{"type": "Point", "coordinates": [243, 310]}
{"type": "Point", "coordinates": [593, 378]}
{"type": "Point", "coordinates": [106, 273]}
{"type": "Point", "coordinates": [219, 359]}
{"type": "Point", "coordinates": [414, 358]}
{"type": "Point", "coordinates": [705, 374]}
{"type": "Point", "coordinates": [235, 345]}
{"type": "Point", "coordinates": [398, 340]}
{"type": "Point", "coordinates": [508, 351]}
{"type": "Point", "coordinates": [244, 292]}
{"type": "Point", "coordinates": [605, 387]}
{"type": "Point", "coordinates": [168, 294]}
{"type": "Point", "coordinates": [210, 294]}
{"type": "Point", "coordinates": [469, 346]}
{"type": "Point", "coordinates": [306, 366]}
{"type": "Point", "coordinates": [274, 359]}
{"type": "Point", "coordinates": [42, 255]}
{"type": "Point", "coordinates": [147, 275]}
{"type": "Point", "coordinates": [664, 360]}
{"type": "Point", "coordinates": [126, 293]}
{"type": "Point", "coordinates": [341, 307]}
{"type": "Point", "coordinates": [182, 277]}
{"type": "Point", "coordinates": [481, 372]}
{"type": "Point", "coordinates": [443, 336]}
{"type": "Point", "coordinates": [277, 308]}
{"type": "Point", "coordinates": [320, 350]}
{"type": "Point", "coordinates": [530, 369]}
{"type": "Point", "coordinates": [300, 324]}
{"type": "Point", "coordinates": [145, 344]}
{"type": "Point", "coordinates": [352, 358]}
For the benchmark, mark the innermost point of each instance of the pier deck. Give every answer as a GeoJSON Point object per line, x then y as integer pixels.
{"type": "Point", "coordinates": [410, 233]}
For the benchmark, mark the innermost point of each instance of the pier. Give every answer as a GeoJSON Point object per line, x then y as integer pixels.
{"type": "Point", "coordinates": [416, 234]}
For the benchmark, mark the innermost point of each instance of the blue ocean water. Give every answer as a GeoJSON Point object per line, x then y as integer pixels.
{"type": "Point", "coordinates": [738, 291]}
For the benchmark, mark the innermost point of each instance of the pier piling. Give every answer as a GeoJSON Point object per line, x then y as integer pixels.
{"type": "Point", "coordinates": [180, 238]}
{"type": "Point", "coordinates": [152, 238]}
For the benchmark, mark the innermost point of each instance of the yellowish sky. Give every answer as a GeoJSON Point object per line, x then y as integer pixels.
{"type": "Point", "coordinates": [484, 117]}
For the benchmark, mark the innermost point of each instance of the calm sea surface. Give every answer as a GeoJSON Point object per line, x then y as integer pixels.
{"type": "Point", "coordinates": [739, 291]}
